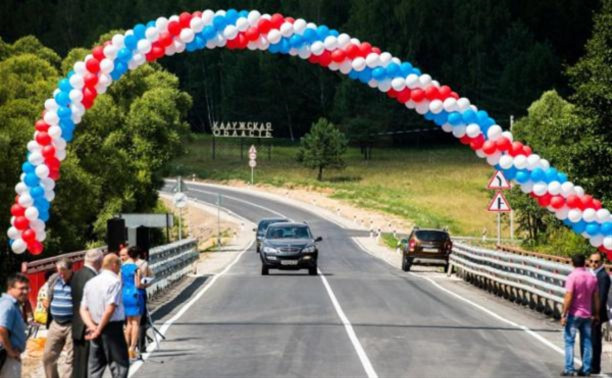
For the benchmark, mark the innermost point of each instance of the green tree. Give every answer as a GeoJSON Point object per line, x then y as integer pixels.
{"type": "Point", "coordinates": [323, 147]}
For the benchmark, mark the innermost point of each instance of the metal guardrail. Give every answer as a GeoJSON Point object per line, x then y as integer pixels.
{"type": "Point", "coordinates": [170, 263]}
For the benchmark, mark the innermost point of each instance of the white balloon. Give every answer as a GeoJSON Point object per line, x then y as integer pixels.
{"type": "Point", "coordinates": [506, 161]}
{"type": "Point", "coordinates": [520, 161]}
{"type": "Point", "coordinates": [274, 36]}
{"type": "Point", "coordinates": [106, 80]}
{"type": "Point", "coordinates": [286, 29]}
{"type": "Point", "coordinates": [562, 213]}
{"type": "Point", "coordinates": [494, 132]}
{"type": "Point", "coordinates": [60, 155]}
{"type": "Point", "coordinates": [50, 195]}
{"type": "Point", "coordinates": [34, 146]}
{"type": "Point", "coordinates": [450, 104]}
{"type": "Point", "coordinates": [533, 161]}
{"type": "Point", "coordinates": [55, 132]}
{"type": "Point", "coordinates": [139, 59]}
{"type": "Point", "coordinates": [589, 215]}
{"type": "Point", "coordinates": [508, 135]}
{"type": "Point", "coordinates": [25, 200]}
{"type": "Point", "coordinates": [333, 66]}
{"type": "Point", "coordinates": [21, 188]}
{"type": "Point", "coordinates": [359, 64]}
{"type": "Point", "coordinates": [151, 34]}
{"type": "Point", "coordinates": [607, 242]}
{"type": "Point", "coordinates": [398, 84]}
{"type": "Point", "coordinates": [13, 233]}
{"type": "Point", "coordinates": [299, 26]}
{"type": "Point", "coordinates": [411, 105]}
{"type": "Point", "coordinates": [574, 215]}
{"type": "Point", "coordinates": [472, 130]}
{"type": "Point", "coordinates": [51, 117]}
{"type": "Point", "coordinates": [343, 39]}
{"type": "Point", "coordinates": [447, 127]}
{"type": "Point", "coordinates": [544, 164]}
{"type": "Point", "coordinates": [42, 171]}
{"type": "Point", "coordinates": [567, 189]}
{"type": "Point", "coordinates": [480, 153]}
{"type": "Point", "coordinates": [144, 46]}
{"type": "Point", "coordinates": [373, 60]}
{"type": "Point", "coordinates": [187, 34]}
{"type": "Point", "coordinates": [554, 188]}
{"type": "Point", "coordinates": [459, 131]}
{"type": "Point", "coordinates": [36, 158]}
{"type": "Point", "coordinates": [374, 84]}
{"type": "Point", "coordinates": [385, 85]}
{"type": "Point", "coordinates": [197, 24]}
{"type": "Point", "coordinates": [60, 144]}
{"type": "Point", "coordinates": [317, 48]}
{"type": "Point", "coordinates": [346, 67]}
{"type": "Point", "coordinates": [18, 246]}
{"type": "Point", "coordinates": [579, 190]}
{"type": "Point", "coordinates": [47, 183]}
{"type": "Point", "coordinates": [110, 52]}
{"type": "Point", "coordinates": [118, 41]}
{"type": "Point", "coordinates": [179, 46]}
{"type": "Point", "coordinates": [603, 215]}
{"type": "Point", "coordinates": [79, 67]}
{"type": "Point", "coordinates": [424, 80]}
{"type": "Point", "coordinates": [494, 159]}
{"type": "Point", "coordinates": [50, 103]}
{"type": "Point", "coordinates": [77, 82]}
{"type": "Point", "coordinates": [412, 81]}
{"type": "Point", "coordinates": [37, 225]}
{"type": "Point", "coordinates": [422, 108]}
{"type": "Point", "coordinates": [596, 241]}
{"type": "Point", "coordinates": [304, 53]}
{"type": "Point", "coordinates": [41, 235]}
{"type": "Point", "coordinates": [463, 104]}
{"type": "Point", "coordinates": [76, 96]}
{"type": "Point", "coordinates": [436, 107]}
{"type": "Point", "coordinates": [540, 188]}
{"type": "Point", "coordinates": [253, 17]}
{"type": "Point", "coordinates": [385, 58]}
{"type": "Point", "coordinates": [526, 187]}
{"type": "Point", "coordinates": [31, 213]}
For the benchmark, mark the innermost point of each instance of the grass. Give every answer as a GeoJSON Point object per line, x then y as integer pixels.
{"type": "Point", "coordinates": [432, 187]}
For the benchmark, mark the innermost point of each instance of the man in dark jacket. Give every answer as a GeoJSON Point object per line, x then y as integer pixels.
{"type": "Point", "coordinates": [93, 263]}
{"type": "Point", "coordinates": [603, 282]}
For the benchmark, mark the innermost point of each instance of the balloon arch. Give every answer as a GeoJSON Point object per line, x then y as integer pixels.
{"type": "Point", "coordinates": [319, 45]}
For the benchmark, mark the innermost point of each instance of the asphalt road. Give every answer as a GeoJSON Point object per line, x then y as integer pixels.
{"type": "Point", "coordinates": [287, 324]}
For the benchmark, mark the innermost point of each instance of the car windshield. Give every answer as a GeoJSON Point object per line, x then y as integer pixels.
{"type": "Point", "coordinates": [263, 225]}
{"type": "Point", "coordinates": [431, 236]}
{"type": "Point", "coordinates": [288, 232]}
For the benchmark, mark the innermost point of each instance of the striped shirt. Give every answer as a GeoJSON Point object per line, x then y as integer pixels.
{"type": "Point", "coordinates": [61, 305]}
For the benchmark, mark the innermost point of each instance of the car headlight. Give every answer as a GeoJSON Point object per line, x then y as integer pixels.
{"type": "Point", "coordinates": [309, 249]}
{"type": "Point", "coordinates": [269, 250]}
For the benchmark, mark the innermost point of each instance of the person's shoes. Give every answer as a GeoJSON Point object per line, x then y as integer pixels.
{"type": "Point", "coordinates": [132, 354]}
{"type": "Point", "coordinates": [568, 374]}
{"type": "Point", "coordinates": [583, 374]}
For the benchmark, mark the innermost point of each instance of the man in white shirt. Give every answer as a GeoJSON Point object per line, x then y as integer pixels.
{"type": "Point", "coordinates": [103, 314]}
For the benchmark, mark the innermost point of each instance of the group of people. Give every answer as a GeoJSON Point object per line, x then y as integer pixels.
{"type": "Point", "coordinates": [585, 311]}
{"type": "Point", "coordinates": [93, 316]}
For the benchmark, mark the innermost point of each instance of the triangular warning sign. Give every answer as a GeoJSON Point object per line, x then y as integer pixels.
{"type": "Point", "coordinates": [498, 181]}
{"type": "Point", "coordinates": [499, 204]}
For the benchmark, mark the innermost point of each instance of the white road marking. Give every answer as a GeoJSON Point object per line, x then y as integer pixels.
{"type": "Point", "coordinates": [363, 357]}
{"type": "Point", "coordinates": [164, 328]}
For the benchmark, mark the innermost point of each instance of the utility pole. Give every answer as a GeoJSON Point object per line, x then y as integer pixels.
{"type": "Point", "coordinates": [511, 211]}
{"type": "Point", "coordinates": [180, 220]}
{"type": "Point", "coordinates": [219, 222]}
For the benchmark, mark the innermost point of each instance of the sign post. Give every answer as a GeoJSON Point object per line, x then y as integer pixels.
{"type": "Point", "coordinates": [499, 204]}
{"type": "Point", "coordinates": [252, 162]}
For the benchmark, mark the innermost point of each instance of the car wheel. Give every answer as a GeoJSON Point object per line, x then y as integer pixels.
{"type": "Point", "coordinates": [264, 270]}
{"type": "Point", "coordinates": [312, 271]}
{"type": "Point", "coordinates": [406, 265]}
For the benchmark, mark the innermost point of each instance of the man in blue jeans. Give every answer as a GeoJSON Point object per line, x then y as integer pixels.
{"type": "Point", "coordinates": [580, 310]}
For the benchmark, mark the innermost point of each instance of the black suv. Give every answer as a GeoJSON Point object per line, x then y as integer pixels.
{"type": "Point", "coordinates": [426, 247]}
{"type": "Point", "coordinates": [262, 226]}
{"type": "Point", "coordinates": [289, 246]}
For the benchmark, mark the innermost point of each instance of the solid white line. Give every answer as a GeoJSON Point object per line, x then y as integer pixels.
{"type": "Point", "coordinates": [164, 328]}
{"type": "Point", "coordinates": [363, 357]}
{"type": "Point", "coordinates": [241, 200]}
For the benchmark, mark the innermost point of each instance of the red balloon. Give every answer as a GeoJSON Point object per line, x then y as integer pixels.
{"type": "Point", "coordinates": [376, 50]}
{"type": "Point", "coordinates": [404, 96]}
{"type": "Point", "coordinates": [325, 58]}
{"type": "Point", "coordinates": [392, 93]}
{"type": "Point", "coordinates": [93, 65]}
{"type": "Point", "coordinates": [43, 138]}
{"type": "Point", "coordinates": [596, 204]}
{"type": "Point", "coordinates": [557, 202]}
{"type": "Point", "coordinates": [98, 53]}
{"type": "Point", "coordinates": [503, 144]}
{"type": "Point", "coordinates": [41, 125]}
{"type": "Point", "coordinates": [165, 39]}
{"type": "Point", "coordinates": [314, 59]}
{"type": "Point", "coordinates": [516, 149]}
{"type": "Point", "coordinates": [477, 142]}
{"type": "Point", "coordinates": [465, 139]}
{"type": "Point", "coordinates": [53, 163]}
{"type": "Point", "coordinates": [48, 151]}
{"type": "Point", "coordinates": [431, 92]}
{"type": "Point", "coordinates": [587, 201]}
{"type": "Point", "coordinates": [185, 19]}
{"type": "Point", "coordinates": [21, 223]}
{"type": "Point", "coordinates": [573, 201]}
{"type": "Point", "coordinates": [454, 95]}
{"type": "Point", "coordinates": [545, 200]}
{"type": "Point", "coordinates": [417, 95]}
{"type": "Point", "coordinates": [55, 175]}
{"type": "Point", "coordinates": [338, 56]}
{"type": "Point", "coordinates": [17, 210]}
{"type": "Point", "coordinates": [174, 28]}
{"type": "Point", "coordinates": [28, 236]}
{"type": "Point", "coordinates": [264, 25]}
{"type": "Point", "coordinates": [89, 94]}
{"type": "Point", "coordinates": [290, 20]}
{"type": "Point", "coordinates": [489, 147]}
{"type": "Point", "coordinates": [352, 51]}
{"type": "Point", "coordinates": [35, 248]}
{"type": "Point", "coordinates": [277, 20]}
{"type": "Point", "coordinates": [158, 52]}
{"type": "Point", "coordinates": [252, 33]}
{"type": "Point", "coordinates": [445, 92]}
{"type": "Point", "coordinates": [364, 49]}
{"type": "Point", "coordinates": [527, 150]}
{"type": "Point", "coordinates": [91, 79]}
{"type": "Point", "coordinates": [197, 14]}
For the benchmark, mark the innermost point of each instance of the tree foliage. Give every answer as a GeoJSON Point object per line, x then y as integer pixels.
{"type": "Point", "coordinates": [322, 147]}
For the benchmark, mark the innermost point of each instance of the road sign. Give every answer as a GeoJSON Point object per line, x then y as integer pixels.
{"type": "Point", "coordinates": [498, 181]}
{"type": "Point", "coordinates": [180, 200]}
{"type": "Point", "coordinates": [252, 156]}
{"type": "Point", "coordinates": [252, 163]}
{"type": "Point", "coordinates": [252, 150]}
{"type": "Point", "coordinates": [499, 204]}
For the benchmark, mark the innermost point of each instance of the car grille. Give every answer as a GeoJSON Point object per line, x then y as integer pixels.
{"type": "Point", "coordinates": [289, 250]}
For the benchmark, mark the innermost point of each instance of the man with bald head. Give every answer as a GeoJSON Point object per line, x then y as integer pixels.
{"type": "Point", "coordinates": [102, 312]}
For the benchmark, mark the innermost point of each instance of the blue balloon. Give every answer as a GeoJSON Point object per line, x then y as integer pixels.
{"type": "Point", "coordinates": [455, 118]}
{"type": "Point", "coordinates": [366, 75]}
{"type": "Point", "coordinates": [322, 31]}
{"type": "Point", "coordinates": [537, 175]}
{"type": "Point", "coordinates": [428, 116]}
{"type": "Point", "coordinates": [64, 85]}
{"type": "Point", "coordinates": [334, 33]}
{"type": "Point", "coordinates": [353, 75]}
{"type": "Point", "coordinates": [296, 41]}
{"type": "Point", "coordinates": [115, 75]}
{"type": "Point", "coordinates": [310, 35]}
{"type": "Point", "coordinates": [469, 116]}
{"type": "Point", "coordinates": [231, 15]}
{"type": "Point", "coordinates": [606, 228]}
{"type": "Point", "coordinates": [64, 112]}
{"type": "Point", "coordinates": [416, 71]}
{"type": "Point", "coordinates": [393, 70]}
{"type": "Point", "coordinates": [274, 48]}
{"type": "Point", "coordinates": [550, 175]}
{"type": "Point", "coordinates": [592, 229]}
{"type": "Point", "coordinates": [561, 177]}
{"type": "Point", "coordinates": [378, 73]}
{"type": "Point", "coordinates": [62, 98]}
{"type": "Point", "coordinates": [44, 216]}
{"type": "Point", "coordinates": [482, 117]}
{"type": "Point", "coordinates": [66, 123]}
{"type": "Point", "coordinates": [208, 32]}
{"type": "Point", "coordinates": [70, 73]}
{"type": "Point", "coordinates": [522, 176]}
{"type": "Point", "coordinates": [139, 31]}
{"type": "Point", "coordinates": [567, 222]}
{"type": "Point", "coordinates": [244, 13]}
{"type": "Point", "coordinates": [191, 46]}
{"type": "Point", "coordinates": [490, 121]}
{"type": "Point", "coordinates": [219, 22]}
{"type": "Point", "coordinates": [67, 136]}
{"type": "Point", "coordinates": [510, 173]}
{"type": "Point", "coordinates": [200, 43]}
{"type": "Point", "coordinates": [406, 69]}
{"type": "Point", "coordinates": [37, 192]}
{"type": "Point", "coordinates": [150, 24]}
{"type": "Point", "coordinates": [124, 55]}
{"type": "Point", "coordinates": [31, 179]}
{"type": "Point", "coordinates": [41, 202]}
{"type": "Point", "coordinates": [120, 67]}
{"type": "Point", "coordinates": [27, 167]}
{"type": "Point", "coordinates": [130, 42]}
{"type": "Point", "coordinates": [579, 227]}
{"type": "Point", "coordinates": [441, 118]}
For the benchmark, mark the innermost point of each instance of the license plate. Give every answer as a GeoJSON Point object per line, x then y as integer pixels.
{"type": "Point", "coordinates": [430, 250]}
{"type": "Point", "coordinates": [289, 262]}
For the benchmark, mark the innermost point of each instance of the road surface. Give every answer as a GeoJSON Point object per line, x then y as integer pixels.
{"type": "Point", "coordinates": [359, 317]}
